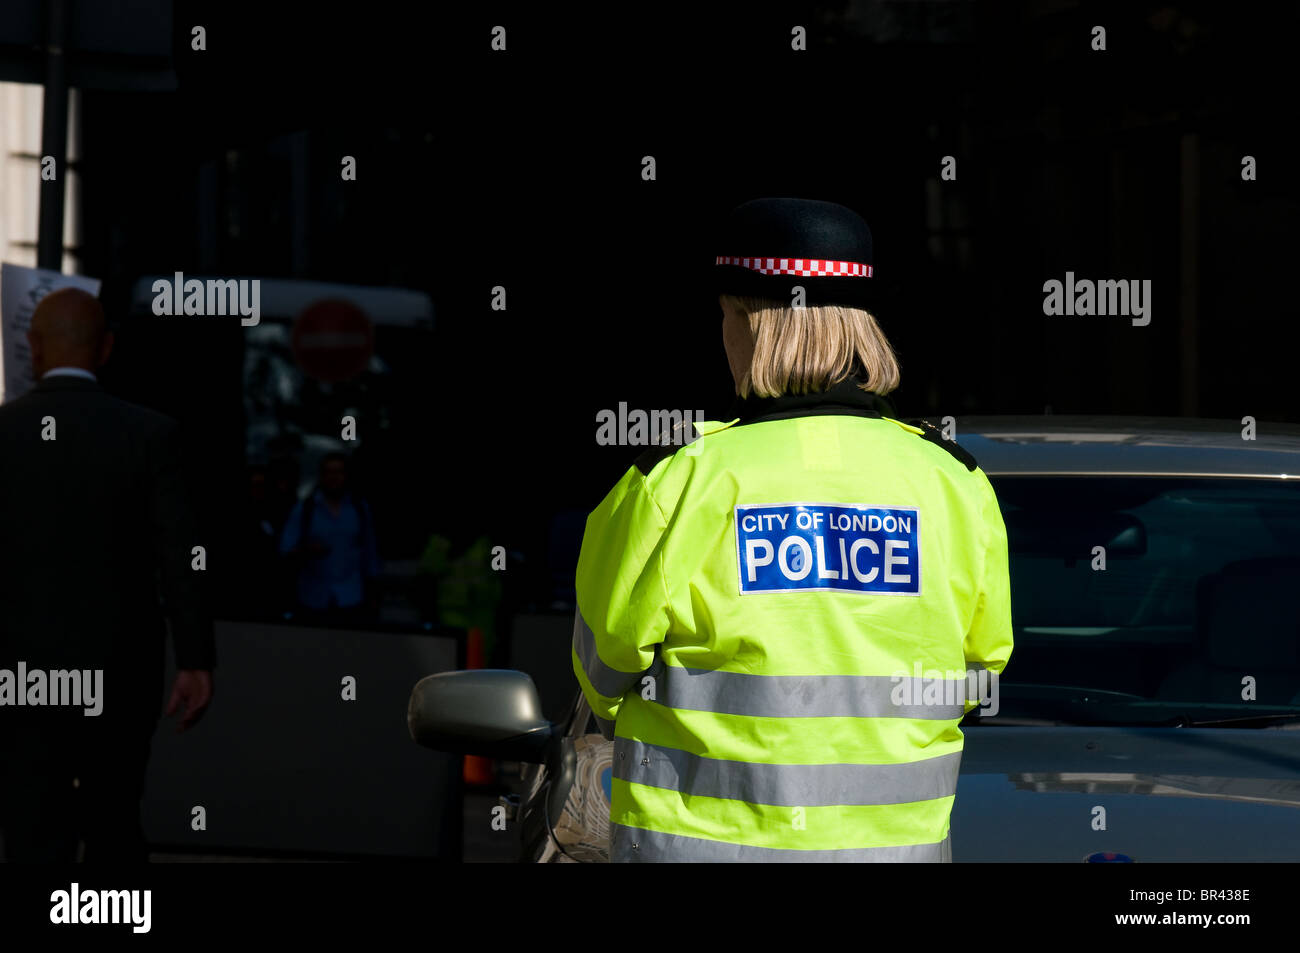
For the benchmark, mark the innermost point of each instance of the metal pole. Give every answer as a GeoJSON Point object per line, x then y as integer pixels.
{"type": "Point", "coordinates": [54, 138]}
{"type": "Point", "coordinates": [1189, 264]}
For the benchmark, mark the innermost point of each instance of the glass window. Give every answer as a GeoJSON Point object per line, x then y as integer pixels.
{"type": "Point", "coordinates": [1152, 600]}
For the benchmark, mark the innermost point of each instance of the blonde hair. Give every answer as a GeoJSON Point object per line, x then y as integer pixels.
{"type": "Point", "coordinates": [802, 350]}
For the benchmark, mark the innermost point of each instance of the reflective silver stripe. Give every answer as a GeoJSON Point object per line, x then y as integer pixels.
{"type": "Point", "coordinates": [634, 844]}
{"type": "Point", "coordinates": [804, 696]}
{"type": "Point", "coordinates": [610, 682]}
{"type": "Point", "coordinates": [786, 785]}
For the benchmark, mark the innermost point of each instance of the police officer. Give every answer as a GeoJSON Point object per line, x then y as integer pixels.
{"type": "Point", "coordinates": [780, 620]}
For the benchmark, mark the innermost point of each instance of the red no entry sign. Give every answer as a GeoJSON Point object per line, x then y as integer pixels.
{"type": "Point", "coordinates": [332, 340]}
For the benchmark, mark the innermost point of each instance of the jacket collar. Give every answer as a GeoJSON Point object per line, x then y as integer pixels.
{"type": "Point", "coordinates": [63, 382]}
{"type": "Point", "coordinates": [846, 397]}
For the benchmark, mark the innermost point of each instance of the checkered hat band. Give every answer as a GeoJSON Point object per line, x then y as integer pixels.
{"type": "Point", "coordinates": [805, 267]}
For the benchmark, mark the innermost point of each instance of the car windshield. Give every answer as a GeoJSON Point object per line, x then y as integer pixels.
{"type": "Point", "coordinates": [1152, 600]}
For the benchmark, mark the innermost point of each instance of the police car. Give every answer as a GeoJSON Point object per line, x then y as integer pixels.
{"type": "Point", "coordinates": [1151, 708]}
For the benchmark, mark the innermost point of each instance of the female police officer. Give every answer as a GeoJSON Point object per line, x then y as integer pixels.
{"type": "Point", "coordinates": [776, 622]}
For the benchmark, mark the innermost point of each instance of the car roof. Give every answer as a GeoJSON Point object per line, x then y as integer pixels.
{"type": "Point", "coordinates": [1138, 446]}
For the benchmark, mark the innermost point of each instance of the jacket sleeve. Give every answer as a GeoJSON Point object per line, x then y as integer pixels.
{"type": "Point", "coordinates": [989, 640]}
{"type": "Point", "coordinates": [175, 533]}
{"type": "Point", "coordinates": [292, 530]}
{"type": "Point", "coordinates": [622, 611]}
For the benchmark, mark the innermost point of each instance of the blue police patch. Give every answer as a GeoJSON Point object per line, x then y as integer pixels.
{"type": "Point", "coordinates": [818, 547]}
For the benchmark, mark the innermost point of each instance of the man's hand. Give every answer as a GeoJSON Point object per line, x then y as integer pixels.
{"type": "Point", "coordinates": [193, 690]}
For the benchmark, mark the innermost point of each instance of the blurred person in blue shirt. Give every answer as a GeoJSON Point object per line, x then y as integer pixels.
{"type": "Point", "coordinates": [330, 538]}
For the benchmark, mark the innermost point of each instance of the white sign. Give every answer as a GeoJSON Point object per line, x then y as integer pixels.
{"type": "Point", "coordinates": [21, 289]}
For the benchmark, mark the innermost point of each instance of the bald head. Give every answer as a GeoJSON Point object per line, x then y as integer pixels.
{"type": "Point", "coordinates": [68, 330]}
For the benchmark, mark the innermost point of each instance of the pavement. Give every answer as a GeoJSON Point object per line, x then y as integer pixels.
{"type": "Point", "coordinates": [482, 844]}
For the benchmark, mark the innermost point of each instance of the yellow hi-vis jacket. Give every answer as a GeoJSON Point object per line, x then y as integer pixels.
{"type": "Point", "coordinates": [776, 623]}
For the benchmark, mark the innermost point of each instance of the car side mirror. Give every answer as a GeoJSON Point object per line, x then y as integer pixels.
{"type": "Point", "coordinates": [494, 713]}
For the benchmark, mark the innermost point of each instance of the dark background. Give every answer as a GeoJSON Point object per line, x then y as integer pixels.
{"type": "Point", "coordinates": [523, 169]}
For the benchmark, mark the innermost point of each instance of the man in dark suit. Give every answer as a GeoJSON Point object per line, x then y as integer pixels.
{"type": "Point", "coordinates": [93, 520]}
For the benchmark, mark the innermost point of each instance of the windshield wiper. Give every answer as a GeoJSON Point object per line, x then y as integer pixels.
{"type": "Point", "coordinates": [1103, 708]}
{"type": "Point", "coordinates": [1183, 721]}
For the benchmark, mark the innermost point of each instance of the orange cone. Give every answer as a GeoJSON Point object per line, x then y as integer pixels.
{"type": "Point", "coordinates": [477, 770]}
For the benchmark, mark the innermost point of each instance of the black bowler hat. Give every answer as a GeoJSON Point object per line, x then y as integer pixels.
{"type": "Point", "coordinates": [768, 246]}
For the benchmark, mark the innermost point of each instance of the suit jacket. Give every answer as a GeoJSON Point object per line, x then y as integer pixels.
{"type": "Point", "coordinates": [93, 523]}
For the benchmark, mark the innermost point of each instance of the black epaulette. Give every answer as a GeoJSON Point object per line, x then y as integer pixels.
{"type": "Point", "coordinates": [933, 434]}
{"type": "Point", "coordinates": [649, 458]}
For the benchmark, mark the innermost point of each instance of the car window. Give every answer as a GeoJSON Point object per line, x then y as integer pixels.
{"type": "Point", "coordinates": [1152, 599]}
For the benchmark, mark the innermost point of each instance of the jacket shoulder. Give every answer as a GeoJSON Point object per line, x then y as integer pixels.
{"type": "Point", "coordinates": [655, 455]}
{"type": "Point", "coordinates": [145, 417]}
{"type": "Point", "coordinates": [928, 431]}
{"type": "Point", "coordinates": [106, 419]}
